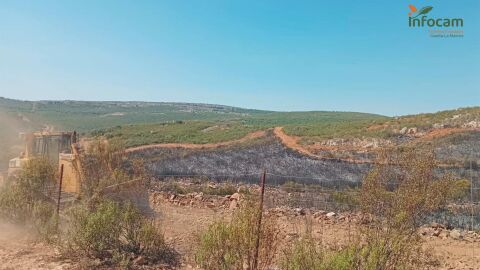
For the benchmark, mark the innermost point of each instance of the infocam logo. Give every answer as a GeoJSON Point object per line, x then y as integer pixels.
{"type": "Point", "coordinates": [419, 18]}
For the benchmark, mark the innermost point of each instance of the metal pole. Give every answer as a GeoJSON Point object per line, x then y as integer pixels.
{"type": "Point", "coordinates": [59, 189]}
{"type": "Point", "coordinates": [259, 220]}
{"type": "Point", "coordinates": [472, 206]}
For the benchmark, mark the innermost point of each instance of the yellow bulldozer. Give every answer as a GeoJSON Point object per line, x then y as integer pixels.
{"type": "Point", "coordinates": [60, 148]}
{"type": "Point", "coordinates": [64, 149]}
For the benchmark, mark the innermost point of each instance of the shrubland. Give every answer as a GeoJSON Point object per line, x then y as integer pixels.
{"type": "Point", "coordinates": [96, 228]}
{"type": "Point", "coordinates": [24, 200]}
{"type": "Point", "coordinates": [395, 200]}
{"type": "Point", "coordinates": [116, 233]}
{"type": "Point", "coordinates": [231, 244]}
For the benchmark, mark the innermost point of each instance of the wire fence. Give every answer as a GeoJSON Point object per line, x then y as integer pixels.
{"type": "Point", "coordinates": [316, 194]}
{"type": "Point", "coordinates": [326, 206]}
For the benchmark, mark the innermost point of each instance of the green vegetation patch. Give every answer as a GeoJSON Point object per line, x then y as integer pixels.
{"type": "Point", "coordinates": [197, 132]}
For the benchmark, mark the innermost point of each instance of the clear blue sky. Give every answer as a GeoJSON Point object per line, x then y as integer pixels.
{"type": "Point", "coordinates": [277, 55]}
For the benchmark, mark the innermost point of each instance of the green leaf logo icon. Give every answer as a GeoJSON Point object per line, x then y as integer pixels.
{"type": "Point", "coordinates": [424, 11]}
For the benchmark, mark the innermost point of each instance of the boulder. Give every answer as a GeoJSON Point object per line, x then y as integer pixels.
{"type": "Point", "coordinates": [412, 131]}
{"type": "Point", "coordinates": [331, 214]}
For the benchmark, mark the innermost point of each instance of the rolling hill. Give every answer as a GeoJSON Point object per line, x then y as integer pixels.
{"type": "Point", "coordinates": [334, 134]}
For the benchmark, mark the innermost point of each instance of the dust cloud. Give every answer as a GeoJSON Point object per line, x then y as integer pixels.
{"type": "Point", "coordinates": [10, 144]}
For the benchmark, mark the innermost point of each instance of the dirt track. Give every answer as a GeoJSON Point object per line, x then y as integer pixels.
{"type": "Point", "coordinates": [18, 250]}
{"type": "Point", "coordinates": [182, 225]}
{"type": "Point", "coordinates": [287, 140]}
{"type": "Point", "coordinates": [291, 142]}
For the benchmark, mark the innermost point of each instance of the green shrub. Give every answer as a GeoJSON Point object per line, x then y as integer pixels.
{"type": "Point", "coordinates": [303, 254]}
{"type": "Point", "coordinates": [460, 189]}
{"type": "Point", "coordinates": [45, 221]}
{"type": "Point", "coordinates": [173, 187]}
{"type": "Point", "coordinates": [23, 201]}
{"type": "Point", "coordinates": [231, 245]}
{"type": "Point", "coordinates": [306, 254]}
{"type": "Point", "coordinates": [292, 186]}
{"type": "Point", "coordinates": [396, 199]}
{"type": "Point", "coordinates": [343, 259]}
{"type": "Point", "coordinates": [116, 233]}
{"type": "Point", "coordinates": [348, 198]}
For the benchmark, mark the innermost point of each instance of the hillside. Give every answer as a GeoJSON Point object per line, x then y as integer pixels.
{"type": "Point", "coordinates": [89, 115]}
{"type": "Point", "coordinates": [140, 123]}
{"type": "Point", "coordinates": [344, 135]}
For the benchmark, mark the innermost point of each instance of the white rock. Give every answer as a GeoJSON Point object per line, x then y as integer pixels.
{"type": "Point", "coordinates": [331, 214]}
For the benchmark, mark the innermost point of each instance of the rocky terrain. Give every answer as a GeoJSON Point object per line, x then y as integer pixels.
{"type": "Point", "coordinates": [183, 208]}
{"type": "Point", "coordinates": [184, 215]}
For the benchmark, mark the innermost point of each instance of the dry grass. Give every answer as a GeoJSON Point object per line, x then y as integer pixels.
{"type": "Point", "coordinates": [231, 245]}
{"type": "Point", "coordinates": [397, 199]}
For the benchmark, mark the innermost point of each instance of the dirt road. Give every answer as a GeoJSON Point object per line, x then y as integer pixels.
{"type": "Point", "coordinates": [18, 250]}
{"type": "Point", "coordinates": [183, 224]}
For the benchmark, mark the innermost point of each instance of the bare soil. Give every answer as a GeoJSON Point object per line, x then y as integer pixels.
{"type": "Point", "coordinates": [183, 224]}
{"type": "Point", "coordinates": [443, 132]}
{"type": "Point", "coordinates": [19, 250]}
{"type": "Point", "coordinates": [292, 143]}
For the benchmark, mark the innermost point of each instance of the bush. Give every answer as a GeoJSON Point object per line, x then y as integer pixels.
{"type": "Point", "coordinates": [348, 198]}
{"type": "Point", "coordinates": [460, 190]}
{"type": "Point", "coordinates": [102, 166]}
{"type": "Point", "coordinates": [45, 220]}
{"type": "Point", "coordinates": [23, 200]}
{"type": "Point", "coordinates": [231, 245]}
{"type": "Point", "coordinates": [398, 198]}
{"type": "Point", "coordinates": [173, 187]}
{"type": "Point", "coordinates": [305, 254]}
{"type": "Point", "coordinates": [115, 233]}
{"type": "Point", "coordinates": [292, 186]}
{"type": "Point", "coordinates": [397, 195]}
